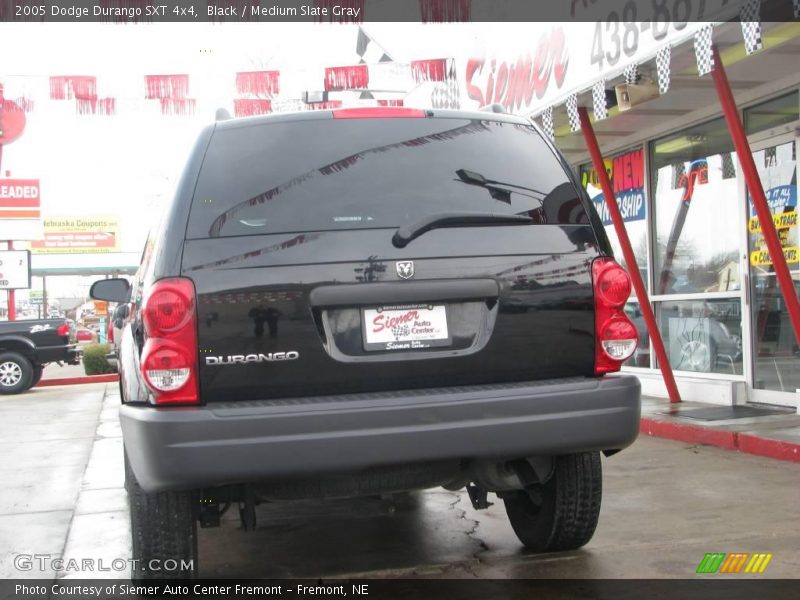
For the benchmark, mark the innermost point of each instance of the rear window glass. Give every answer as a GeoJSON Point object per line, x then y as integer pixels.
{"type": "Point", "coordinates": [331, 174]}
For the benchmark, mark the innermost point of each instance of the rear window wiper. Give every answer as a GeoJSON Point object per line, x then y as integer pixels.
{"type": "Point", "coordinates": [406, 233]}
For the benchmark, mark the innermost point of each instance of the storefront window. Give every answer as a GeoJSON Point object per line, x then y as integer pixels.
{"type": "Point", "coordinates": [703, 335]}
{"type": "Point", "coordinates": [696, 211]}
{"type": "Point", "coordinates": [772, 113]}
{"type": "Point", "coordinates": [626, 172]}
{"type": "Point", "coordinates": [641, 357]}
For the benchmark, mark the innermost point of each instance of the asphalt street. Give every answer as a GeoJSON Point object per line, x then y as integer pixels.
{"type": "Point", "coordinates": [665, 505]}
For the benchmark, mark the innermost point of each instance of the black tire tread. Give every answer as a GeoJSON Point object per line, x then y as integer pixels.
{"type": "Point", "coordinates": [163, 526]}
{"type": "Point", "coordinates": [570, 510]}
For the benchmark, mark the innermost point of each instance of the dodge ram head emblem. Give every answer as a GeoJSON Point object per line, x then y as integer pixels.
{"type": "Point", "coordinates": [405, 269]}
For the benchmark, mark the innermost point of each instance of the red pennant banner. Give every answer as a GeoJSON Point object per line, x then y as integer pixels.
{"type": "Point", "coordinates": [67, 87]}
{"type": "Point", "coordinates": [258, 83]}
{"type": "Point", "coordinates": [341, 11]}
{"type": "Point", "coordinates": [21, 104]}
{"type": "Point", "coordinates": [181, 107]}
{"type": "Point", "coordinates": [444, 11]}
{"type": "Point", "coordinates": [429, 70]}
{"type": "Point", "coordinates": [96, 106]}
{"type": "Point", "coordinates": [346, 78]}
{"type": "Point", "coordinates": [251, 107]}
{"type": "Point", "coordinates": [329, 105]}
{"type": "Point", "coordinates": [390, 103]}
{"type": "Point", "coordinates": [166, 86]}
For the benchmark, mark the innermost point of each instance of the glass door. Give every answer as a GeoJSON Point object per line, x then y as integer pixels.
{"type": "Point", "coordinates": [775, 356]}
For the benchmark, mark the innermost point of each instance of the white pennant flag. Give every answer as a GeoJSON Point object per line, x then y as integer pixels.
{"type": "Point", "coordinates": [702, 50]}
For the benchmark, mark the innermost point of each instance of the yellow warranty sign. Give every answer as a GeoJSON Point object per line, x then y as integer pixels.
{"type": "Point", "coordinates": [782, 221]}
{"type": "Point", "coordinates": [760, 258]}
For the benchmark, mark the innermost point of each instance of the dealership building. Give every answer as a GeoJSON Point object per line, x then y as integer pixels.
{"type": "Point", "coordinates": [691, 222]}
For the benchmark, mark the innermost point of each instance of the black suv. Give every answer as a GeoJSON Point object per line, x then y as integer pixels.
{"type": "Point", "coordinates": [367, 301]}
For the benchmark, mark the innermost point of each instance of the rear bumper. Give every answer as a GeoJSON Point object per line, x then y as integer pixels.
{"type": "Point", "coordinates": [237, 442]}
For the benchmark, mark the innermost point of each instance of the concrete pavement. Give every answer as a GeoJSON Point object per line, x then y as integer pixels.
{"type": "Point", "coordinates": [665, 505]}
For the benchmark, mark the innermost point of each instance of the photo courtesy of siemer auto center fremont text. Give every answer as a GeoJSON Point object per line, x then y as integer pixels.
{"type": "Point", "coordinates": [443, 299]}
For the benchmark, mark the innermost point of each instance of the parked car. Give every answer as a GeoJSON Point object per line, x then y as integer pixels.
{"type": "Point", "coordinates": [85, 336]}
{"type": "Point", "coordinates": [325, 302]}
{"type": "Point", "coordinates": [28, 345]}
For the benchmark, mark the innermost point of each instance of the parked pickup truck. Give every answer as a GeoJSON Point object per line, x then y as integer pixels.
{"type": "Point", "coordinates": [369, 301]}
{"type": "Point", "coordinates": [27, 346]}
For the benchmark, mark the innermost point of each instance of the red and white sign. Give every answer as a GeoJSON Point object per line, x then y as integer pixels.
{"type": "Point", "coordinates": [19, 199]}
{"type": "Point", "coordinates": [20, 209]}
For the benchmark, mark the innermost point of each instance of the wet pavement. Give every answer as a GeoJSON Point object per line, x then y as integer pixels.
{"type": "Point", "coordinates": [665, 505]}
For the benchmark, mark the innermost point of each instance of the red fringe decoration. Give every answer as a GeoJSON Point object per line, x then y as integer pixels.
{"type": "Point", "coordinates": [164, 87]}
{"type": "Point", "coordinates": [96, 106]}
{"type": "Point", "coordinates": [346, 78]}
{"type": "Point", "coordinates": [344, 18]}
{"type": "Point", "coordinates": [181, 107]}
{"type": "Point", "coordinates": [251, 108]}
{"type": "Point", "coordinates": [258, 83]}
{"type": "Point", "coordinates": [390, 103]}
{"type": "Point", "coordinates": [20, 104]}
{"type": "Point", "coordinates": [429, 70]}
{"type": "Point", "coordinates": [67, 87]}
{"type": "Point", "coordinates": [445, 11]}
{"type": "Point", "coordinates": [329, 105]}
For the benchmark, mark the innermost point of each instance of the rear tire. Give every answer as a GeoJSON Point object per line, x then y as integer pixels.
{"type": "Point", "coordinates": [37, 374]}
{"type": "Point", "coordinates": [562, 513]}
{"type": "Point", "coordinates": [16, 373]}
{"type": "Point", "coordinates": [163, 530]}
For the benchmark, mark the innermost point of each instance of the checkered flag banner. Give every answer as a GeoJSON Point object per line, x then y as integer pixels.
{"type": "Point", "coordinates": [702, 50]}
{"type": "Point", "coordinates": [547, 123]}
{"type": "Point", "coordinates": [663, 58]}
{"type": "Point", "coordinates": [599, 100]}
{"type": "Point", "coordinates": [369, 50]}
{"type": "Point", "coordinates": [796, 9]}
{"type": "Point", "coordinates": [631, 74]}
{"type": "Point", "coordinates": [572, 112]}
{"type": "Point", "coordinates": [749, 15]}
{"type": "Point", "coordinates": [446, 93]}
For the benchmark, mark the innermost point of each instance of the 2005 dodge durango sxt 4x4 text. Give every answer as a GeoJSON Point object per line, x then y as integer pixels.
{"type": "Point", "coordinates": [366, 301]}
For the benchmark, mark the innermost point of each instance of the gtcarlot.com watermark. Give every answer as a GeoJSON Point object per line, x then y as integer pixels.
{"type": "Point", "coordinates": [47, 563]}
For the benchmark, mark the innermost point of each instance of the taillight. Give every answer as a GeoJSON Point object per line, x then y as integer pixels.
{"type": "Point", "coordinates": [169, 356]}
{"type": "Point", "coordinates": [616, 336]}
{"type": "Point", "coordinates": [63, 330]}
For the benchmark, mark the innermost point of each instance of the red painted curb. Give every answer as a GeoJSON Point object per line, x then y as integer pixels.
{"type": "Point", "coordinates": [771, 448]}
{"type": "Point", "coordinates": [688, 433]}
{"type": "Point", "coordinates": [77, 380]}
{"type": "Point", "coordinates": [729, 440]}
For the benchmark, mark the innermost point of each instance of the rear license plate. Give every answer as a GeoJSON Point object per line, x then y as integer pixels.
{"type": "Point", "coordinates": [405, 327]}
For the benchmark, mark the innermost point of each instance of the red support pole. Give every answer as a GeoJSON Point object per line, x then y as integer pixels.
{"type": "Point", "coordinates": [12, 295]}
{"type": "Point", "coordinates": [756, 192]}
{"type": "Point", "coordinates": [630, 257]}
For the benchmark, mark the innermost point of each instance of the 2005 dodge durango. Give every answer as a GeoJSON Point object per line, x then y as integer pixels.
{"type": "Point", "coordinates": [367, 301]}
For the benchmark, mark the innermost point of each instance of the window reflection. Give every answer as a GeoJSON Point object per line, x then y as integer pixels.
{"type": "Point", "coordinates": [696, 212]}
{"type": "Point", "coordinates": [703, 335]}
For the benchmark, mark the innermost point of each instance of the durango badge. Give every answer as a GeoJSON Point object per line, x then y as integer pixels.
{"type": "Point", "coordinates": [405, 269]}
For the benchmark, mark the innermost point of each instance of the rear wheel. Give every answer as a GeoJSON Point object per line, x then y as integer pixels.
{"type": "Point", "coordinates": [16, 373]}
{"type": "Point", "coordinates": [562, 513]}
{"type": "Point", "coordinates": [37, 374]}
{"type": "Point", "coordinates": [163, 531]}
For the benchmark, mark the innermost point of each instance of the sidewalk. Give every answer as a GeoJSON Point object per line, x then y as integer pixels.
{"type": "Point", "coordinates": [773, 435]}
